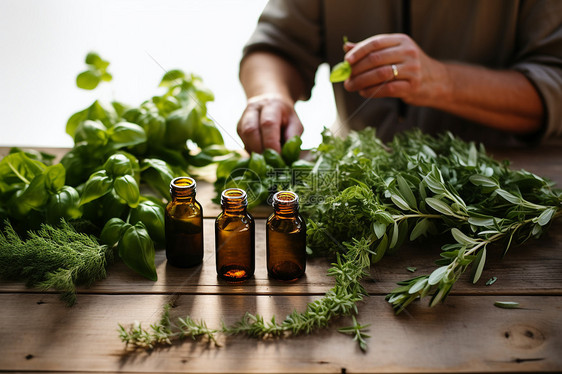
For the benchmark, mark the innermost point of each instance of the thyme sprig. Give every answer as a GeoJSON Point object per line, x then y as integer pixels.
{"type": "Point", "coordinates": [165, 331]}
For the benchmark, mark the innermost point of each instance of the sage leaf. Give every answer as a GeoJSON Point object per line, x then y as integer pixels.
{"type": "Point", "coordinates": [406, 192]}
{"type": "Point", "coordinates": [437, 275]}
{"type": "Point", "coordinates": [379, 228]}
{"type": "Point", "coordinates": [418, 286]}
{"type": "Point", "coordinates": [509, 196]}
{"type": "Point", "coordinates": [420, 229]}
{"type": "Point", "coordinates": [439, 206]}
{"type": "Point", "coordinates": [380, 250]}
{"type": "Point", "coordinates": [399, 202]}
{"type": "Point", "coordinates": [461, 238]}
{"type": "Point", "coordinates": [481, 180]}
{"type": "Point", "coordinates": [546, 216]}
{"type": "Point", "coordinates": [480, 261]}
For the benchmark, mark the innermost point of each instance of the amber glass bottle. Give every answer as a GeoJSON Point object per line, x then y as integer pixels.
{"type": "Point", "coordinates": [184, 225]}
{"type": "Point", "coordinates": [286, 238]}
{"type": "Point", "coordinates": [234, 237]}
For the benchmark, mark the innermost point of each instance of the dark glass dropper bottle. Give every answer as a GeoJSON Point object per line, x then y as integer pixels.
{"type": "Point", "coordinates": [184, 225]}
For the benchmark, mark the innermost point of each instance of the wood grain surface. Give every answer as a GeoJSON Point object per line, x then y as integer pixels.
{"type": "Point", "coordinates": [465, 334]}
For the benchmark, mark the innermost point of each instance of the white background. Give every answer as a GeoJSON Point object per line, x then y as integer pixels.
{"type": "Point", "coordinates": [43, 44]}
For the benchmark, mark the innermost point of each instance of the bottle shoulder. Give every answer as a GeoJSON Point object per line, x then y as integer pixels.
{"type": "Point", "coordinates": [180, 210]}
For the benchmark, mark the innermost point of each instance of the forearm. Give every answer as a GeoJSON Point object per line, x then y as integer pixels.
{"type": "Point", "coordinates": [504, 99]}
{"type": "Point", "coordinates": [264, 73]}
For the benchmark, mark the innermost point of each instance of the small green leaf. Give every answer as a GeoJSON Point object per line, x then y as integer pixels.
{"type": "Point", "coordinates": [125, 134]}
{"type": "Point", "coordinates": [439, 206]}
{"type": "Point", "coordinates": [379, 228]}
{"type": "Point", "coordinates": [509, 196]}
{"type": "Point", "coordinates": [491, 281]}
{"type": "Point", "coordinates": [480, 261]}
{"type": "Point", "coordinates": [127, 188]}
{"type": "Point", "coordinates": [399, 202]}
{"type": "Point", "coordinates": [546, 216]}
{"type": "Point", "coordinates": [420, 229]}
{"type": "Point", "coordinates": [481, 180]}
{"type": "Point", "coordinates": [257, 164]}
{"type": "Point", "coordinates": [113, 230]}
{"type": "Point", "coordinates": [394, 237]}
{"type": "Point", "coordinates": [152, 215]}
{"type": "Point", "coordinates": [411, 269]}
{"type": "Point", "coordinates": [437, 275]}
{"type": "Point", "coordinates": [418, 286]}
{"type": "Point", "coordinates": [461, 238]}
{"type": "Point", "coordinates": [291, 150]}
{"type": "Point", "coordinates": [97, 185]}
{"type": "Point", "coordinates": [380, 250]}
{"type": "Point", "coordinates": [88, 80]}
{"type": "Point", "coordinates": [406, 192]}
{"type": "Point", "coordinates": [63, 204]}
{"type": "Point", "coordinates": [507, 304]}
{"type": "Point", "coordinates": [274, 159]}
{"type": "Point", "coordinates": [172, 77]}
{"type": "Point", "coordinates": [340, 72]}
{"type": "Point", "coordinates": [117, 165]}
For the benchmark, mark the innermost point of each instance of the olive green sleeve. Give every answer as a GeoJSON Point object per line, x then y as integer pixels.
{"type": "Point", "coordinates": [293, 30]}
{"type": "Point", "coordinates": [539, 58]}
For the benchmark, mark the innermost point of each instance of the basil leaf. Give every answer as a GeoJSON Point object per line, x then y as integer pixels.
{"type": "Point", "coordinates": [125, 134]}
{"type": "Point", "coordinates": [274, 159]}
{"type": "Point", "coordinates": [136, 249]}
{"type": "Point", "coordinates": [257, 164]}
{"type": "Point", "coordinates": [17, 170]}
{"type": "Point", "coordinates": [117, 165]}
{"type": "Point", "coordinates": [127, 188]}
{"type": "Point", "coordinates": [88, 80]}
{"type": "Point", "coordinates": [97, 185]}
{"type": "Point", "coordinates": [291, 150]}
{"type": "Point", "coordinates": [340, 72]}
{"type": "Point", "coordinates": [152, 215]}
{"type": "Point", "coordinates": [113, 231]}
{"type": "Point", "coordinates": [63, 204]}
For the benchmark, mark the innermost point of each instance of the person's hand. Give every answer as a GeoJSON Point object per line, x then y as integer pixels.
{"type": "Point", "coordinates": [418, 79]}
{"type": "Point", "coordinates": [267, 122]}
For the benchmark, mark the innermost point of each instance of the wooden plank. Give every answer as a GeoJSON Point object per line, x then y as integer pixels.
{"type": "Point", "coordinates": [466, 334]}
{"type": "Point", "coordinates": [533, 268]}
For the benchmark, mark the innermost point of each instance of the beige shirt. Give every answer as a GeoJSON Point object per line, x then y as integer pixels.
{"type": "Point", "coordinates": [501, 34]}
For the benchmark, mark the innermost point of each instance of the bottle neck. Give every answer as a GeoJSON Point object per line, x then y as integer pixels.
{"type": "Point", "coordinates": [286, 204]}
{"type": "Point", "coordinates": [183, 189]}
{"type": "Point", "coordinates": [234, 201]}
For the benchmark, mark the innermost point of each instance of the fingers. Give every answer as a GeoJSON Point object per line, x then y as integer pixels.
{"type": "Point", "coordinates": [294, 127]}
{"type": "Point", "coordinates": [249, 130]}
{"type": "Point", "coordinates": [377, 76]}
{"type": "Point", "coordinates": [372, 44]}
{"type": "Point", "coordinates": [266, 123]}
{"type": "Point", "coordinates": [270, 125]}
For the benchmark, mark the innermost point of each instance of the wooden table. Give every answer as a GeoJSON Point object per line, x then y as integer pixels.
{"type": "Point", "coordinates": [466, 333]}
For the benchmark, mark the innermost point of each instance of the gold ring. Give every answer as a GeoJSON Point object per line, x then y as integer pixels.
{"type": "Point", "coordinates": [394, 71]}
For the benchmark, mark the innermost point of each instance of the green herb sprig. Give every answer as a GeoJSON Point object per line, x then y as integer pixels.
{"type": "Point", "coordinates": [53, 258]}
